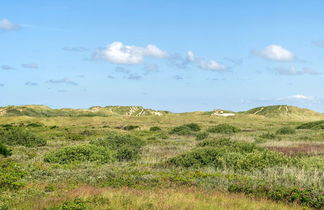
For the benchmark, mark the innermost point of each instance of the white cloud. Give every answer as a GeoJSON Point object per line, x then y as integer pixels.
{"type": "Point", "coordinates": [190, 56]}
{"type": "Point", "coordinates": [211, 65]}
{"type": "Point", "coordinates": [292, 71]}
{"type": "Point", "coordinates": [30, 66]}
{"type": "Point", "coordinates": [301, 97]}
{"type": "Point", "coordinates": [276, 53]}
{"type": "Point", "coordinates": [6, 25]}
{"type": "Point", "coordinates": [119, 53]}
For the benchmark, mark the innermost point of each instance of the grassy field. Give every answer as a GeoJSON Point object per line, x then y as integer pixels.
{"type": "Point", "coordinates": [261, 159]}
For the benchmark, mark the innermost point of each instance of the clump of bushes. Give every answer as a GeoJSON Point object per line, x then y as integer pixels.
{"type": "Point", "coordinates": [127, 147]}
{"type": "Point", "coordinates": [202, 135]}
{"type": "Point", "coordinates": [286, 131]}
{"type": "Point", "coordinates": [130, 127]}
{"type": "Point", "coordinates": [186, 129]}
{"type": "Point", "coordinates": [11, 175]}
{"type": "Point", "coordinates": [80, 153]}
{"type": "Point", "coordinates": [303, 196]}
{"type": "Point", "coordinates": [224, 154]}
{"type": "Point", "coordinates": [4, 150]}
{"type": "Point", "coordinates": [268, 136]}
{"type": "Point", "coordinates": [317, 125]}
{"type": "Point", "coordinates": [155, 128]}
{"type": "Point", "coordinates": [20, 136]}
{"type": "Point", "coordinates": [224, 128]}
{"type": "Point", "coordinates": [35, 125]}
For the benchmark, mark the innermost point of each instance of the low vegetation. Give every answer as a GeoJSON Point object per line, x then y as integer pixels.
{"type": "Point", "coordinates": [317, 125]}
{"type": "Point", "coordinates": [20, 136]}
{"type": "Point", "coordinates": [286, 131]}
{"type": "Point", "coordinates": [223, 128]}
{"type": "Point", "coordinates": [5, 151]}
{"type": "Point", "coordinates": [80, 153]}
{"type": "Point", "coordinates": [270, 158]}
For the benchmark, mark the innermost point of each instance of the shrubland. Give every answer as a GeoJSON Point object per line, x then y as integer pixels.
{"type": "Point", "coordinates": [95, 162]}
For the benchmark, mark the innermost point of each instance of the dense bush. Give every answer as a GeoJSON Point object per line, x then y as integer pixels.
{"type": "Point", "coordinates": [11, 175]}
{"type": "Point", "coordinates": [80, 153]}
{"type": "Point", "coordinates": [20, 136]}
{"type": "Point", "coordinates": [202, 135]}
{"type": "Point", "coordinates": [4, 150]}
{"type": "Point", "coordinates": [235, 146]}
{"type": "Point", "coordinates": [224, 154]}
{"type": "Point", "coordinates": [186, 129]}
{"type": "Point", "coordinates": [317, 125]}
{"type": "Point", "coordinates": [35, 125]}
{"type": "Point", "coordinates": [268, 136]}
{"type": "Point", "coordinates": [127, 147]}
{"type": "Point", "coordinates": [130, 127]}
{"type": "Point", "coordinates": [306, 197]}
{"type": "Point", "coordinates": [224, 128]}
{"type": "Point", "coordinates": [155, 128]}
{"type": "Point", "coordinates": [286, 130]}
{"type": "Point", "coordinates": [193, 126]}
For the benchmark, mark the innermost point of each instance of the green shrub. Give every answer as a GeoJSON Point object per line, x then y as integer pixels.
{"type": "Point", "coordinates": [127, 147]}
{"type": "Point", "coordinates": [286, 130]}
{"type": "Point", "coordinates": [224, 154]}
{"type": "Point", "coordinates": [202, 135]}
{"type": "Point", "coordinates": [20, 136]}
{"type": "Point", "coordinates": [303, 196]}
{"type": "Point", "coordinates": [186, 129]}
{"type": "Point", "coordinates": [224, 128]}
{"type": "Point", "coordinates": [80, 153]}
{"type": "Point", "coordinates": [155, 128]}
{"type": "Point", "coordinates": [4, 150]}
{"type": "Point", "coordinates": [181, 131]}
{"type": "Point", "coordinates": [130, 127]}
{"type": "Point", "coordinates": [317, 125]}
{"type": "Point", "coordinates": [268, 136]}
{"type": "Point", "coordinates": [193, 126]}
{"type": "Point", "coordinates": [11, 175]}
{"type": "Point", "coordinates": [35, 125]}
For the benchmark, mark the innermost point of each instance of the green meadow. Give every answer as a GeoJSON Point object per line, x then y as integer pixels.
{"type": "Point", "coordinates": [136, 158]}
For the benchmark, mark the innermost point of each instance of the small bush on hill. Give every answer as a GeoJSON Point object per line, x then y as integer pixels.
{"type": "Point", "coordinates": [130, 127]}
{"type": "Point", "coordinates": [186, 129]}
{"type": "Point", "coordinates": [202, 135]}
{"type": "Point", "coordinates": [20, 136]}
{"type": "Point", "coordinates": [11, 175]}
{"type": "Point", "coordinates": [224, 154]}
{"type": "Point", "coordinates": [35, 125]}
{"type": "Point", "coordinates": [193, 126]}
{"type": "Point", "coordinates": [317, 125]}
{"type": "Point", "coordinates": [268, 136]}
{"type": "Point", "coordinates": [4, 150]}
{"type": "Point", "coordinates": [155, 128]}
{"type": "Point", "coordinates": [80, 153]}
{"type": "Point", "coordinates": [127, 147]}
{"type": "Point", "coordinates": [224, 128]}
{"type": "Point", "coordinates": [286, 130]}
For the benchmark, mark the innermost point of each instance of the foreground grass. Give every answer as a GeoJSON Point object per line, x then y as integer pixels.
{"type": "Point", "coordinates": [88, 197]}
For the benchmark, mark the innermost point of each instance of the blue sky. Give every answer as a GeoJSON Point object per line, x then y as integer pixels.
{"type": "Point", "coordinates": [171, 55]}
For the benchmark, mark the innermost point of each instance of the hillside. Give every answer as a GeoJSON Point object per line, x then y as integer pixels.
{"type": "Point", "coordinates": [44, 111]}
{"type": "Point", "coordinates": [283, 111]}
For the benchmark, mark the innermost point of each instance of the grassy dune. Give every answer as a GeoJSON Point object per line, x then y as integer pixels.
{"type": "Point", "coordinates": [119, 162]}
